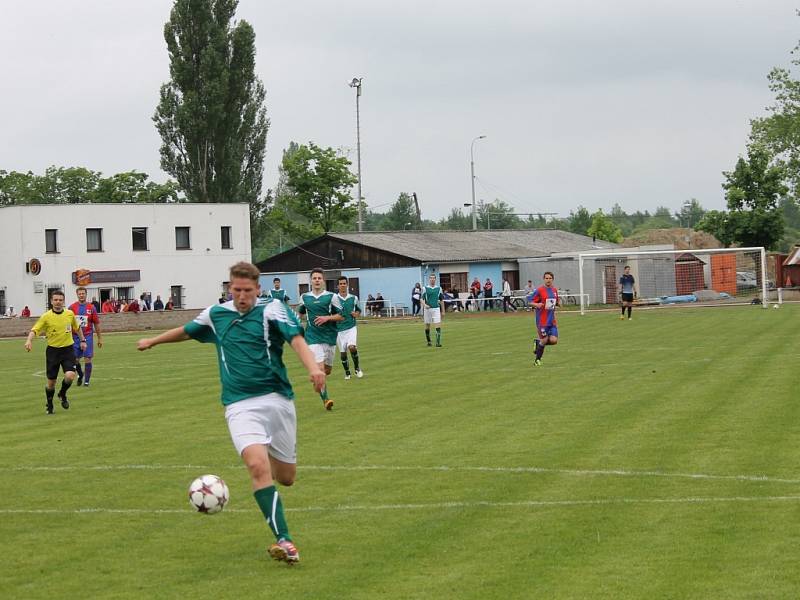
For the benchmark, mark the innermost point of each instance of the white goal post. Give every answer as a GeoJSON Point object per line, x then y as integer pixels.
{"type": "Point", "coordinates": [672, 277]}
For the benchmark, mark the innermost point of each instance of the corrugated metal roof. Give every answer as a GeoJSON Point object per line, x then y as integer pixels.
{"type": "Point", "coordinates": [471, 246]}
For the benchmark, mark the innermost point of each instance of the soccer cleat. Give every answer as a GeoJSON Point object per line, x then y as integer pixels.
{"type": "Point", "coordinates": [621, 317]}
{"type": "Point", "coordinates": [80, 380]}
{"type": "Point", "coordinates": [359, 373]}
{"type": "Point", "coordinates": [50, 410]}
{"type": "Point", "coordinates": [346, 376]}
{"type": "Point", "coordinates": [629, 318]}
{"type": "Point", "coordinates": [537, 362]}
{"type": "Point", "coordinates": [429, 344]}
{"type": "Point", "coordinates": [438, 344]}
{"type": "Point", "coordinates": [328, 404]}
{"type": "Point", "coordinates": [85, 384]}
{"type": "Point", "coordinates": [284, 550]}
{"type": "Point", "coordinates": [64, 401]}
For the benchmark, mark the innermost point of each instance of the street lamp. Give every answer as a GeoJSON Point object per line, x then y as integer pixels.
{"type": "Point", "coordinates": [472, 173]}
{"type": "Point", "coordinates": [356, 83]}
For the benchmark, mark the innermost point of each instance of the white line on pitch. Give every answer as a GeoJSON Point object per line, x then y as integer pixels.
{"type": "Point", "coordinates": [441, 468]}
{"type": "Point", "coordinates": [421, 506]}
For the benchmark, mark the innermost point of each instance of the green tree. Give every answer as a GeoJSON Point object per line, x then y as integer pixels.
{"type": "Point", "coordinates": [457, 220]}
{"type": "Point", "coordinates": [402, 214]}
{"type": "Point", "coordinates": [320, 183]}
{"type": "Point", "coordinates": [752, 191]}
{"type": "Point", "coordinates": [17, 188]}
{"type": "Point", "coordinates": [580, 220]}
{"type": "Point", "coordinates": [211, 115]}
{"type": "Point", "coordinates": [690, 214]}
{"type": "Point", "coordinates": [603, 228]}
{"type": "Point", "coordinates": [497, 215]}
{"type": "Point", "coordinates": [779, 132]}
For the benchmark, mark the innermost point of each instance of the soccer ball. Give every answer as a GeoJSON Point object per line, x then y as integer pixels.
{"type": "Point", "coordinates": [776, 306]}
{"type": "Point", "coordinates": [208, 494]}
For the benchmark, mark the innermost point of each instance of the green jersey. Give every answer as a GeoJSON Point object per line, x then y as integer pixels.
{"type": "Point", "coordinates": [318, 306]}
{"type": "Point", "coordinates": [345, 306]}
{"type": "Point", "coordinates": [278, 294]}
{"type": "Point", "coordinates": [249, 347]}
{"type": "Point", "coordinates": [432, 295]}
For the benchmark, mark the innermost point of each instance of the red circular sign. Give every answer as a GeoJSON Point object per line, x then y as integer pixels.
{"type": "Point", "coordinates": [35, 266]}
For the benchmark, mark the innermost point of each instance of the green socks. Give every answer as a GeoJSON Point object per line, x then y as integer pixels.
{"type": "Point", "coordinates": [270, 504]}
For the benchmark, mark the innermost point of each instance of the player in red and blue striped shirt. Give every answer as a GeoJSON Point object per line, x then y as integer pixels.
{"type": "Point", "coordinates": [545, 300]}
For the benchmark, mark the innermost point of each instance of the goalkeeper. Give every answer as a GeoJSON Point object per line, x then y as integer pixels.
{"type": "Point", "coordinates": [628, 292]}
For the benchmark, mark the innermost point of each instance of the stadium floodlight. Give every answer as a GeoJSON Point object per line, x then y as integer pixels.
{"type": "Point", "coordinates": [673, 277]}
{"type": "Point", "coordinates": [472, 179]}
{"type": "Point", "coordinates": [356, 83]}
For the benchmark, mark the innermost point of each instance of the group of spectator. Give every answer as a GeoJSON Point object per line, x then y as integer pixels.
{"type": "Point", "coordinates": [374, 305]}
{"type": "Point", "coordinates": [143, 304]}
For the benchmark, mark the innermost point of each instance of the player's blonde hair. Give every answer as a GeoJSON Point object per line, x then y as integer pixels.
{"type": "Point", "coordinates": [245, 270]}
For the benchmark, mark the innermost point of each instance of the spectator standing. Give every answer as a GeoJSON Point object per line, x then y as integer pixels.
{"type": "Point", "coordinates": [380, 303]}
{"type": "Point", "coordinates": [26, 312]}
{"type": "Point", "coordinates": [487, 294]}
{"type": "Point", "coordinates": [475, 288]}
{"type": "Point", "coordinates": [170, 305]}
{"type": "Point", "coordinates": [416, 295]}
{"type": "Point", "coordinates": [507, 297]}
{"type": "Point", "coordinates": [158, 304]}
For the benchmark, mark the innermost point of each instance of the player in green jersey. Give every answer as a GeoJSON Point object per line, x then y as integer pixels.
{"type": "Point", "coordinates": [258, 398]}
{"type": "Point", "coordinates": [277, 292]}
{"type": "Point", "coordinates": [431, 309]}
{"type": "Point", "coordinates": [347, 306]}
{"type": "Point", "coordinates": [321, 318]}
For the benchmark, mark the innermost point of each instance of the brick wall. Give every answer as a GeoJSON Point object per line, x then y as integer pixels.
{"type": "Point", "coordinates": [158, 320]}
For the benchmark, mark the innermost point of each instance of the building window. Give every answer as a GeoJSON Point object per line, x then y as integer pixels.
{"type": "Point", "coordinates": [176, 295]}
{"type": "Point", "coordinates": [51, 241]}
{"type": "Point", "coordinates": [94, 240]}
{"type": "Point", "coordinates": [139, 238]}
{"type": "Point", "coordinates": [225, 233]}
{"type": "Point", "coordinates": [182, 238]}
{"type": "Point", "coordinates": [125, 294]}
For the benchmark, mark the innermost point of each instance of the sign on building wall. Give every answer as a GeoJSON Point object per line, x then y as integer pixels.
{"type": "Point", "coordinates": [86, 277]}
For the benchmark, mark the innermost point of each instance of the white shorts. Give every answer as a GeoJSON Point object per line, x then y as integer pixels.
{"type": "Point", "coordinates": [269, 420]}
{"type": "Point", "coordinates": [346, 338]}
{"type": "Point", "coordinates": [323, 353]}
{"type": "Point", "coordinates": [432, 315]}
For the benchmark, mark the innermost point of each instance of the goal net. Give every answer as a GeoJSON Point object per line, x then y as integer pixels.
{"type": "Point", "coordinates": [675, 277]}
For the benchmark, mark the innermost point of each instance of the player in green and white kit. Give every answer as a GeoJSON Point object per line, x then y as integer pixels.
{"type": "Point", "coordinates": [249, 336]}
{"type": "Point", "coordinates": [431, 309]}
{"type": "Point", "coordinates": [277, 292]}
{"type": "Point", "coordinates": [346, 305]}
{"type": "Point", "coordinates": [321, 318]}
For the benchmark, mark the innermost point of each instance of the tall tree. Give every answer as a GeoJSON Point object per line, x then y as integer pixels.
{"type": "Point", "coordinates": [752, 191]}
{"type": "Point", "coordinates": [580, 220]}
{"type": "Point", "coordinates": [211, 115]}
{"type": "Point", "coordinates": [604, 228]}
{"type": "Point", "coordinates": [780, 131]}
{"type": "Point", "coordinates": [401, 215]}
{"type": "Point", "coordinates": [320, 183]}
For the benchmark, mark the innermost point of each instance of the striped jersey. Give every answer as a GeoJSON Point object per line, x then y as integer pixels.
{"type": "Point", "coordinates": [546, 317]}
{"type": "Point", "coordinates": [87, 317]}
{"type": "Point", "coordinates": [249, 346]}
{"type": "Point", "coordinates": [432, 295]}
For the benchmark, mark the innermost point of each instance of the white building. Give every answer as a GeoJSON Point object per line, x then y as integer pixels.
{"type": "Point", "coordinates": [180, 251]}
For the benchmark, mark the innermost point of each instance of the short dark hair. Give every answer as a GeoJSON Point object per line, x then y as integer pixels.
{"type": "Point", "coordinates": [342, 278]}
{"type": "Point", "coordinates": [549, 273]}
{"type": "Point", "coordinates": [57, 293]}
{"type": "Point", "coordinates": [276, 279]}
{"type": "Point", "coordinates": [78, 289]}
{"type": "Point", "coordinates": [627, 266]}
{"type": "Point", "coordinates": [318, 270]}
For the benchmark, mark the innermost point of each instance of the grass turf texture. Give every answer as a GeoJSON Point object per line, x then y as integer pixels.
{"type": "Point", "coordinates": [656, 458]}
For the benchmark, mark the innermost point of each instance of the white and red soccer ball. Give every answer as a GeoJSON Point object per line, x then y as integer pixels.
{"type": "Point", "coordinates": [208, 494]}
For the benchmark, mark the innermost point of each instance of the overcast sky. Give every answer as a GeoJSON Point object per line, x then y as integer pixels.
{"type": "Point", "coordinates": [582, 102]}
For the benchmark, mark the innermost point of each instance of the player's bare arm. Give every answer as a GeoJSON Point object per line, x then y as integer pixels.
{"type": "Point", "coordinates": [316, 374]}
{"type": "Point", "coordinates": [173, 335]}
{"type": "Point", "coordinates": [327, 318]}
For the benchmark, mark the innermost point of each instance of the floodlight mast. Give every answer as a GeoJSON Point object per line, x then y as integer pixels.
{"type": "Point", "coordinates": [356, 83]}
{"type": "Point", "coordinates": [472, 179]}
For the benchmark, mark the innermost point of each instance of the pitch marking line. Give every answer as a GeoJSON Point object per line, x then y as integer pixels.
{"type": "Point", "coordinates": [424, 506]}
{"type": "Point", "coordinates": [443, 468]}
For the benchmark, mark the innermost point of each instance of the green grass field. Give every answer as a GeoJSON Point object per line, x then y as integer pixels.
{"type": "Point", "coordinates": [656, 458]}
